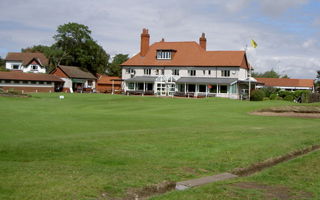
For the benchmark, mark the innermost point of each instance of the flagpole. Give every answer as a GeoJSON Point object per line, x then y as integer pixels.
{"type": "Point", "coordinates": [249, 75]}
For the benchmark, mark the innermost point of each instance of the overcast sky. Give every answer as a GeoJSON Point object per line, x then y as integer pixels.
{"type": "Point", "coordinates": [287, 31]}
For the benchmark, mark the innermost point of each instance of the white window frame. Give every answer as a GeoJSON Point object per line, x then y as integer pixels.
{"type": "Point", "coordinates": [34, 67]}
{"type": "Point", "coordinates": [15, 65]}
{"type": "Point", "coordinates": [192, 72]}
{"type": "Point", "coordinates": [225, 73]}
{"type": "Point", "coordinates": [175, 72]}
{"type": "Point", "coordinates": [164, 55]}
{"type": "Point", "coordinates": [147, 71]}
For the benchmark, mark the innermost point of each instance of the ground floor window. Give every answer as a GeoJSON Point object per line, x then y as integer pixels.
{"type": "Point", "coordinates": [181, 88]}
{"type": "Point", "coordinates": [149, 86]}
{"type": "Point", "coordinates": [202, 88]}
{"type": "Point", "coordinates": [223, 89]}
{"type": "Point", "coordinates": [213, 88]}
{"type": "Point", "coordinates": [140, 86]}
{"type": "Point", "coordinates": [233, 89]}
{"type": "Point", "coordinates": [131, 86]}
{"type": "Point", "coordinates": [191, 88]}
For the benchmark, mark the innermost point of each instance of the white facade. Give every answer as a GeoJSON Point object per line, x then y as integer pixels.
{"type": "Point", "coordinates": [34, 68]}
{"type": "Point", "coordinates": [70, 85]}
{"type": "Point", "coordinates": [168, 81]}
{"type": "Point", "coordinates": [209, 72]}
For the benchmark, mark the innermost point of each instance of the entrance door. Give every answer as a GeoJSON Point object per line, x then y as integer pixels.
{"type": "Point", "coordinates": [161, 89]}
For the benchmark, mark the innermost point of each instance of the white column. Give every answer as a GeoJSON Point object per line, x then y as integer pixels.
{"type": "Point", "coordinates": [112, 87]}
{"type": "Point", "coordinates": [206, 90]}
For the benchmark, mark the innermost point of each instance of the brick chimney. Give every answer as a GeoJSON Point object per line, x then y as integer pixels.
{"type": "Point", "coordinates": [203, 41]}
{"type": "Point", "coordinates": [145, 37]}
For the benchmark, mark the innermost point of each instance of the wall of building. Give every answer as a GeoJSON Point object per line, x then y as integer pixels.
{"type": "Point", "coordinates": [215, 72]}
{"type": "Point", "coordinates": [107, 88]}
{"type": "Point", "coordinates": [27, 87]}
{"type": "Point", "coordinates": [10, 64]}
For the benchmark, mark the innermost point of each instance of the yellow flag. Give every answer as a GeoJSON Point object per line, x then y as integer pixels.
{"type": "Point", "coordinates": [254, 44]}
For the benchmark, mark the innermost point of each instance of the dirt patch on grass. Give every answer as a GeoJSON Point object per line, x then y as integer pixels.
{"type": "Point", "coordinates": [273, 161]}
{"type": "Point", "coordinates": [149, 191]}
{"type": "Point", "coordinates": [290, 111]}
{"type": "Point", "coordinates": [274, 192]}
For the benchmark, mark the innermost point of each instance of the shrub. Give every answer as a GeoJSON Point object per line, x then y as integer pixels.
{"type": "Point", "coordinates": [289, 98]}
{"type": "Point", "coordinates": [257, 95]}
{"type": "Point", "coordinates": [303, 95]}
{"type": "Point", "coordinates": [269, 91]}
{"type": "Point", "coordinates": [283, 93]}
{"type": "Point", "coordinates": [1, 91]}
{"type": "Point", "coordinates": [14, 92]}
{"type": "Point", "coordinates": [266, 98]}
{"type": "Point", "coordinates": [273, 96]}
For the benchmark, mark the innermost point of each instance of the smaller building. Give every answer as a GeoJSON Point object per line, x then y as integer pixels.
{"type": "Point", "coordinates": [75, 79]}
{"type": "Point", "coordinates": [27, 62]}
{"type": "Point", "coordinates": [108, 84]}
{"type": "Point", "coordinates": [287, 84]}
{"type": "Point", "coordinates": [29, 82]}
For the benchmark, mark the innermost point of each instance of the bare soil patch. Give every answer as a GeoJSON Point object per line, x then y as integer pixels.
{"type": "Point", "coordinates": [273, 161]}
{"type": "Point", "coordinates": [290, 111]}
{"type": "Point", "coordinates": [149, 191]}
{"type": "Point", "coordinates": [274, 192]}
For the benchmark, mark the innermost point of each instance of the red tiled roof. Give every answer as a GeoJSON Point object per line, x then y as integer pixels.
{"type": "Point", "coordinates": [188, 54]}
{"type": "Point", "coordinates": [105, 79]}
{"type": "Point", "coordinates": [26, 58]}
{"type": "Point", "coordinates": [286, 82]}
{"type": "Point", "coordinates": [14, 75]}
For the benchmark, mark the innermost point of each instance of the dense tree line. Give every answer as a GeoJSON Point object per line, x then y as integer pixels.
{"type": "Point", "coordinates": [268, 74]}
{"type": "Point", "coordinates": [74, 46]}
{"type": "Point", "coordinates": [2, 63]}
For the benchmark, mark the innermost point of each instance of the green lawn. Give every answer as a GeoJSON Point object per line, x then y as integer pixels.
{"type": "Point", "coordinates": [90, 144]}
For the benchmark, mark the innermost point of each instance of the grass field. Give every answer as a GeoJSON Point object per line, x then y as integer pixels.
{"type": "Point", "coordinates": [89, 144]}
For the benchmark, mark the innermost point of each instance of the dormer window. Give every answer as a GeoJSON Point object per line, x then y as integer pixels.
{"type": "Point", "coordinates": [164, 54]}
{"type": "Point", "coordinates": [15, 66]}
{"type": "Point", "coordinates": [34, 67]}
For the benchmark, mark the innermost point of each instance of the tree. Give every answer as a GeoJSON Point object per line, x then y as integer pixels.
{"type": "Point", "coordinates": [114, 68]}
{"type": "Point", "coordinates": [2, 62]}
{"type": "Point", "coordinates": [79, 49]}
{"type": "Point", "coordinates": [269, 74]}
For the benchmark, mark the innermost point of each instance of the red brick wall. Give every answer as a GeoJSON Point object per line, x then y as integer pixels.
{"type": "Point", "coordinates": [107, 87]}
{"type": "Point", "coordinates": [29, 89]}
{"type": "Point", "coordinates": [59, 72]}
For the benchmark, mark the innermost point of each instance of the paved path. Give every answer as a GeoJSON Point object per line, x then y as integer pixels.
{"type": "Point", "coordinates": [205, 180]}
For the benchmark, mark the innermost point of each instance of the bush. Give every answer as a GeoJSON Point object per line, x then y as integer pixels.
{"type": "Point", "coordinates": [257, 95]}
{"type": "Point", "coordinates": [289, 98]}
{"type": "Point", "coordinates": [273, 96]}
{"type": "Point", "coordinates": [1, 91]}
{"type": "Point", "coordinates": [283, 93]}
{"type": "Point", "coordinates": [14, 92]}
{"type": "Point", "coordinates": [269, 91]}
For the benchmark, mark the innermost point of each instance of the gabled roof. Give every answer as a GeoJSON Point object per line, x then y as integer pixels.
{"type": "Point", "coordinates": [15, 75]}
{"type": "Point", "coordinates": [286, 82]}
{"type": "Point", "coordinates": [76, 72]}
{"type": "Point", "coordinates": [26, 58]}
{"type": "Point", "coordinates": [188, 54]}
{"type": "Point", "coordinates": [105, 79]}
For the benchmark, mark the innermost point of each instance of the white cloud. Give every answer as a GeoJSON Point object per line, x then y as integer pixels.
{"type": "Point", "coordinates": [117, 25]}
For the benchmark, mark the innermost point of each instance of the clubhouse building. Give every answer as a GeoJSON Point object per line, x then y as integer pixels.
{"type": "Point", "coordinates": [186, 69]}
